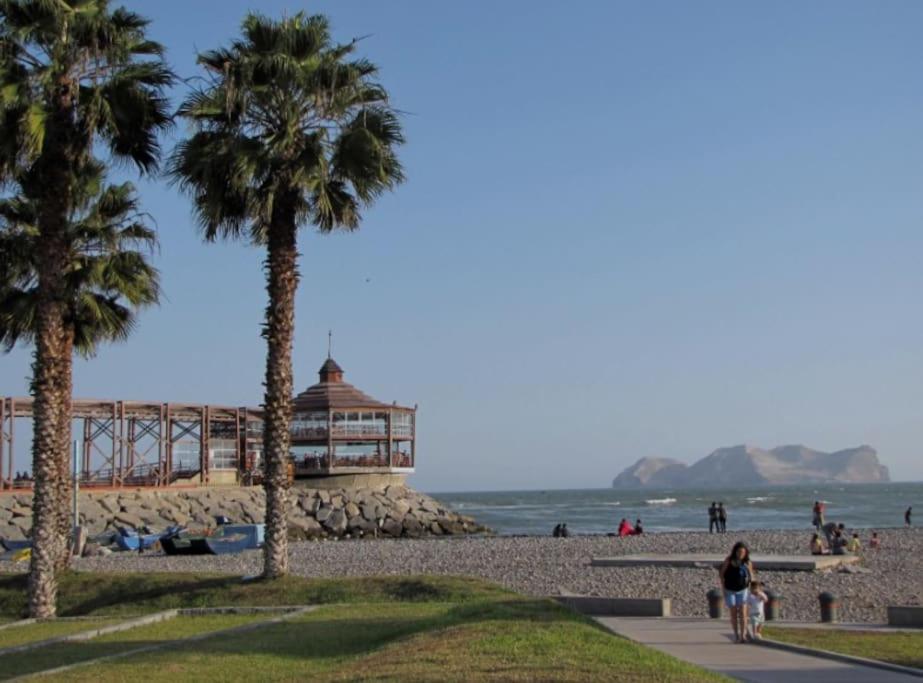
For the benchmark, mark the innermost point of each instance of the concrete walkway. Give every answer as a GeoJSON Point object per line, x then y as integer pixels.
{"type": "Point", "coordinates": [708, 643]}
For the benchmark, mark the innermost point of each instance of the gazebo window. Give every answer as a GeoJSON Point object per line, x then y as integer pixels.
{"type": "Point", "coordinates": [222, 454]}
{"type": "Point", "coordinates": [309, 425]}
{"type": "Point", "coordinates": [403, 424]}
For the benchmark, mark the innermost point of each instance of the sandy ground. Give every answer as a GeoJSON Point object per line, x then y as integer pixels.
{"type": "Point", "coordinates": [892, 575]}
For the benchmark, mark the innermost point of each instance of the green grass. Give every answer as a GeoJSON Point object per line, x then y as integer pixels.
{"type": "Point", "coordinates": [59, 654]}
{"type": "Point", "coordinates": [383, 629]}
{"type": "Point", "coordinates": [902, 648]}
{"type": "Point", "coordinates": [85, 593]}
{"type": "Point", "coordinates": [43, 630]}
{"type": "Point", "coordinates": [507, 640]}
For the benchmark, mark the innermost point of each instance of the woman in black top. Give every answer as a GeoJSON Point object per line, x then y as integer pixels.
{"type": "Point", "coordinates": [735, 576]}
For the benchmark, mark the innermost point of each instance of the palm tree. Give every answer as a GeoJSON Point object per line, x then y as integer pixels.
{"type": "Point", "coordinates": [72, 73]}
{"type": "Point", "coordinates": [107, 280]}
{"type": "Point", "coordinates": [289, 129]}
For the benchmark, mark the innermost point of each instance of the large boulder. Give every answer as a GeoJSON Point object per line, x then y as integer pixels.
{"type": "Point", "coordinates": [336, 523]}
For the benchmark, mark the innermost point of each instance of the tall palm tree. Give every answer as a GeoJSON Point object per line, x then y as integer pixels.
{"type": "Point", "coordinates": [107, 280]}
{"type": "Point", "coordinates": [290, 129]}
{"type": "Point", "coordinates": [72, 73]}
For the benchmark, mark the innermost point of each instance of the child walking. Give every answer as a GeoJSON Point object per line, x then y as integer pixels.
{"type": "Point", "coordinates": [756, 601]}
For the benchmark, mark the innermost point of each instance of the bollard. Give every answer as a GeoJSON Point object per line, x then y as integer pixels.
{"type": "Point", "coordinates": [773, 605]}
{"type": "Point", "coordinates": [715, 603]}
{"type": "Point", "coordinates": [828, 608]}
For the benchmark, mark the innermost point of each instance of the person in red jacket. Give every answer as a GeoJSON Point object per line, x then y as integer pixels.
{"type": "Point", "coordinates": [625, 528]}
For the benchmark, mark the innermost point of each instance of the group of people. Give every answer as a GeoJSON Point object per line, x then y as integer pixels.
{"type": "Point", "coordinates": [743, 594]}
{"type": "Point", "coordinates": [560, 531]}
{"type": "Point", "coordinates": [717, 518]}
{"type": "Point", "coordinates": [837, 542]}
{"type": "Point", "coordinates": [626, 529]}
{"type": "Point", "coordinates": [22, 476]}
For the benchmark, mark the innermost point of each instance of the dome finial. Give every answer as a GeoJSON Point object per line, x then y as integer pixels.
{"type": "Point", "coordinates": [329, 343]}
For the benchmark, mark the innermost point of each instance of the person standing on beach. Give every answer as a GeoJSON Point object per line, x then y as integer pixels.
{"type": "Point", "coordinates": [713, 518]}
{"type": "Point", "coordinates": [722, 518]}
{"type": "Point", "coordinates": [734, 579]}
{"type": "Point", "coordinates": [818, 515]}
{"type": "Point", "coordinates": [907, 515]}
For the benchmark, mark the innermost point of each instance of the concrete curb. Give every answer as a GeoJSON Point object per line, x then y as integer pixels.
{"type": "Point", "coordinates": [840, 657]}
{"type": "Point", "coordinates": [18, 622]}
{"type": "Point", "coordinates": [289, 614]}
{"type": "Point", "coordinates": [92, 633]}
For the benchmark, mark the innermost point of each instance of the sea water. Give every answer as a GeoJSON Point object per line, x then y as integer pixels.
{"type": "Point", "coordinates": [597, 511]}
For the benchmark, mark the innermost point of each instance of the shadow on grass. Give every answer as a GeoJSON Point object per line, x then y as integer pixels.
{"type": "Point", "coordinates": [84, 593]}
{"type": "Point", "coordinates": [315, 642]}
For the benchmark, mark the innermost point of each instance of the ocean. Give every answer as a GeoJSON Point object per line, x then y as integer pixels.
{"type": "Point", "coordinates": [598, 511]}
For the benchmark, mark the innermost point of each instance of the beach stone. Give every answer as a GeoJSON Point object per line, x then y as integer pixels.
{"type": "Point", "coordinates": [336, 523]}
{"type": "Point", "coordinates": [307, 525]}
{"type": "Point", "coordinates": [435, 529]}
{"type": "Point", "coordinates": [337, 501]}
{"type": "Point", "coordinates": [400, 507]}
{"type": "Point", "coordinates": [392, 527]}
{"type": "Point", "coordinates": [352, 510]}
{"type": "Point", "coordinates": [412, 527]}
{"type": "Point", "coordinates": [369, 511]}
{"type": "Point", "coordinates": [20, 511]}
{"type": "Point", "coordinates": [324, 514]}
{"type": "Point", "coordinates": [129, 520]}
{"type": "Point", "coordinates": [11, 532]}
{"type": "Point", "coordinates": [310, 504]}
{"type": "Point", "coordinates": [429, 505]}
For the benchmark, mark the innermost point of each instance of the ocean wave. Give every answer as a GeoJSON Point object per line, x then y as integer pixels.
{"type": "Point", "coordinates": [660, 501]}
{"type": "Point", "coordinates": [758, 499]}
{"type": "Point", "coordinates": [614, 504]}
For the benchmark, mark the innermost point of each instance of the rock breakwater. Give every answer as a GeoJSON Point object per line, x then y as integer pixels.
{"type": "Point", "coordinates": [392, 511]}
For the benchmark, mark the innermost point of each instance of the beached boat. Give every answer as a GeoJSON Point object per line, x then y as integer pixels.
{"type": "Point", "coordinates": [15, 545]}
{"type": "Point", "coordinates": [131, 540]}
{"type": "Point", "coordinates": [227, 540]}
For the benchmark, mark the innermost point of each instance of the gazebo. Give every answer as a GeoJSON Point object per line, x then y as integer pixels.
{"type": "Point", "coordinates": [337, 429]}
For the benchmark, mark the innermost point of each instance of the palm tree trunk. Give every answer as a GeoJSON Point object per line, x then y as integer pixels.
{"type": "Point", "coordinates": [49, 406]}
{"type": "Point", "coordinates": [51, 180]}
{"type": "Point", "coordinates": [63, 487]}
{"type": "Point", "coordinates": [281, 282]}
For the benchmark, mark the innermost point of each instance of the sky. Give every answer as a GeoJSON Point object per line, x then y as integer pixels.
{"type": "Point", "coordinates": [628, 229]}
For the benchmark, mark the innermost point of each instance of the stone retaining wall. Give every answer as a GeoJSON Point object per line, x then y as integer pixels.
{"type": "Point", "coordinates": [390, 511]}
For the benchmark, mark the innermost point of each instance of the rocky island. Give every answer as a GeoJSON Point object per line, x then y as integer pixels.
{"type": "Point", "coordinates": [751, 466]}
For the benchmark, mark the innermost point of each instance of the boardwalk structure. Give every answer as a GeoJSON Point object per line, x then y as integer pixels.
{"type": "Point", "coordinates": [336, 430]}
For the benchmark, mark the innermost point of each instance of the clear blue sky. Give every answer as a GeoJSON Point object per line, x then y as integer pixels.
{"type": "Point", "coordinates": [629, 229]}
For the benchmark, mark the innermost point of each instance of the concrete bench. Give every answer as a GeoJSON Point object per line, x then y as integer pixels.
{"type": "Point", "coordinates": [905, 616]}
{"type": "Point", "coordinates": [616, 607]}
{"type": "Point", "coordinates": [804, 563]}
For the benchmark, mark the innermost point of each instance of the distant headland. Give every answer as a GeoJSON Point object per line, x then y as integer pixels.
{"type": "Point", "coordinates": [750, 466]}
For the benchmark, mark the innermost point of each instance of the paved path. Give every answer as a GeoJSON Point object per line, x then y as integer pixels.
{"type": "Point", "coordinates": [706, 642]}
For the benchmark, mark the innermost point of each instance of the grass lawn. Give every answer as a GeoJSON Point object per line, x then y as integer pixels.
{"type": "Point", "coordinates": [59, 654]}
{"type": "Point", "coordinates": [86, 593]}
{"type": "Point", "coordinates": [43, 630]}
{"type": "Point", "coordinates": [905, 649]}
{"type": "Point", "coordinates": [385, 629]}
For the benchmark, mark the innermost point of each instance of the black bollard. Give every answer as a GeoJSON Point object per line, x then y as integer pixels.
{"type": "Point", "coordinates": [773, 605]}
{"type": "Point", "coordinates": [715, 603]}
{"type": "Point", "coordinates": [828, 608]}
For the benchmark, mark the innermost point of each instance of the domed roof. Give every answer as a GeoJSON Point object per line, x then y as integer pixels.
{"type": "Point", "coordinates": [332, 392]}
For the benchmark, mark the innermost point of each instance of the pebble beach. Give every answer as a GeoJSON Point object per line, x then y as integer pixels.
{"type": "Point", "coordinates": [541, 566]}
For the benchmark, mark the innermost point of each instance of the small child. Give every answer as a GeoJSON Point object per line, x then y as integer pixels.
{"type": "Point", "coordinates": [854, 545]}
{"type": "Point", "coordinates": [875, 542]}
{"type": "Point", "coordinates": [756, 601]}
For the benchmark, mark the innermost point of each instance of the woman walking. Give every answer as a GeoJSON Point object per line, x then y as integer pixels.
{"type": "Point", "coordinates": [735, 576]}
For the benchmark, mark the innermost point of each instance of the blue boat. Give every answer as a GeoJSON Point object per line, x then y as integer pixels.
{"type": "Point", "coordinates": [235, 538]}
{"type": "Point", "coordinates": [227, 540]}
{"type": "Point", "coordinates": [131, 540]}
{"type": "Point", "coordinates": [15, 545]}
